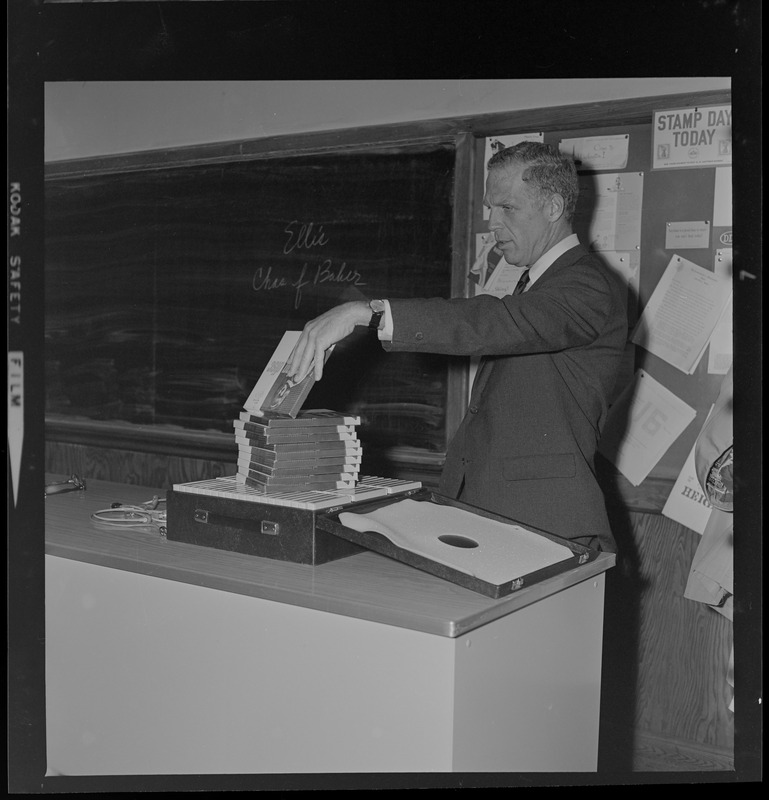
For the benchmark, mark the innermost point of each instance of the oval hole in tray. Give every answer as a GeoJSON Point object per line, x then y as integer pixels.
{"type": "Point", "coordinates": [457, 541]}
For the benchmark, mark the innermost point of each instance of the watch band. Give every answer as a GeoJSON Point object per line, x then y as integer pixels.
{"type": "Point", "coordinates": [377, 312]}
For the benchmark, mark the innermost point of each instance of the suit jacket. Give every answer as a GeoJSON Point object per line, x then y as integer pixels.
{"type": "Point", "coordinates": [526, 446]}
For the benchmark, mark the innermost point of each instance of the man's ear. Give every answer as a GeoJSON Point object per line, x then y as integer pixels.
{"type": "Point", "coordinates": [555, 207]}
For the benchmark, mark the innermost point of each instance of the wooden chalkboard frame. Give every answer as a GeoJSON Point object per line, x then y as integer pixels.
{"type": "Point", "coordinates": [461, 132]}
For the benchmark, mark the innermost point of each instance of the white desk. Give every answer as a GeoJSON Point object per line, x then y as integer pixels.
{"type": "Point", "coordinates": [167, 658]}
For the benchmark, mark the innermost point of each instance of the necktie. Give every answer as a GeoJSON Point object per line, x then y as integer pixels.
{"type": "Point", "coordinates": [523, 282]}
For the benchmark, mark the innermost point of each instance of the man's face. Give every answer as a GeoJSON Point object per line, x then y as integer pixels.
{"type": "Point", "coordinates": [518, 218]}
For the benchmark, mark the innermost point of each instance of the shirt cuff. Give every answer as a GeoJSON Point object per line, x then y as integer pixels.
{"type": "Point", "coordinates": [385, 333]}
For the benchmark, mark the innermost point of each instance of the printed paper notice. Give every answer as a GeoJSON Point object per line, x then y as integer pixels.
{"type": "Point", "coordinates": [687, 235]}
{"type": "Point", "coordinates": [682, 313]}
{"type": "Point", "coordinates": [597, 152]}
{"type": "Point", "coordinates": [608, 215]}
{"type": "Point", "coordinates": [642, 424]}
{"type": "Point", "coordinates": [687, 503]}
{"type": "Point", "coordinates": [692, 137]}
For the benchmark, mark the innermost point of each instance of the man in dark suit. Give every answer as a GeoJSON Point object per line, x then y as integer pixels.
{"type": "Point", "coordinates": [551, 352]}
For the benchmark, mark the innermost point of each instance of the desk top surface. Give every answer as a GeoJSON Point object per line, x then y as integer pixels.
{"type": "Point", "coordinates": [365, 586]}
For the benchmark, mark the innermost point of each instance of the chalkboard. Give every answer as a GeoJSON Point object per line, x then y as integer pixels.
{"type": "Point", "coordinates": [167, 289]}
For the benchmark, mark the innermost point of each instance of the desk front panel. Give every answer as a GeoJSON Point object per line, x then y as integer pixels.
{"type": "Point", "coordinates": [149, 676]}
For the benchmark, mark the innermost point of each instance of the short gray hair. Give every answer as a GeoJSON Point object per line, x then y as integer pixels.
{"type": "Point", "coordinates": [546, 169]}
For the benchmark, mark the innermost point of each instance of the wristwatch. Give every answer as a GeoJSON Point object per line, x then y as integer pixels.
{"type": "Point", "coordinates": [377, 311]}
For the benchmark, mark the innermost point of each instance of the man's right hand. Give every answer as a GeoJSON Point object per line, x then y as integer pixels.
{"type": "Point", "coordinates": [321, 333]}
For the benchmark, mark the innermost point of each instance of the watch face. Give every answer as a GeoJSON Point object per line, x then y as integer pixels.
{"type": "Point", "coordinates": [377, 306]}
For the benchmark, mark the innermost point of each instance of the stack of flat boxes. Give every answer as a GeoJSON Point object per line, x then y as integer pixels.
{"type": "Point", "coordinates": [318, 450]}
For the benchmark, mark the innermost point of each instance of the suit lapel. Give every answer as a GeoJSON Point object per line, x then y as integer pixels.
{"type": "Point", "coordinates": [562, 262]}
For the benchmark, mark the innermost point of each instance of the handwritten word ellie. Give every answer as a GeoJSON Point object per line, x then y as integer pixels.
{"type": "Point", "coordinates": [303, 236]}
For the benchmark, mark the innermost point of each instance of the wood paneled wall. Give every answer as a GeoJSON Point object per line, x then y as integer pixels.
{"type": "Point", "coordinates": [161, 470]}
{"type": "Point", "coordinates": [665, 697]}
{"type": "Point", "coordinates": [158, 471]}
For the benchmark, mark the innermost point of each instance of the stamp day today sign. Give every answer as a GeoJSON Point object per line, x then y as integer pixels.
{"type": "Point", "coordinates": [692, 137]}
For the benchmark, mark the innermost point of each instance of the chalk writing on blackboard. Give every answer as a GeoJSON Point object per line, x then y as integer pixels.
{"type": "Point", "coordinates": [306, 236]}
{"type": "Point", "coordinates": [302, 235]}
{"type": "Point", "coordinates": [325, 272]}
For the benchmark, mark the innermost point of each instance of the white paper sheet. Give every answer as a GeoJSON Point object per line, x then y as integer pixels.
{"type": "Point", "coordinates": [691, 235]}
{"type": "Point", "coordinates": [608, 215]}
{"type": "Point", "coordinates": [682, 313]}
{"type": "Point", "coordinates": [722, 197]}
{"type": "Point", "coordinates": [686, 502]}
{"type": "Point", "coordinates": [642, 424]}
{"type": "Point", "coordinates": [721, 349]}
{"type": "Point", "coordinates": [597, 152]}
{"type": "Point", "coordinates": [626, 263]}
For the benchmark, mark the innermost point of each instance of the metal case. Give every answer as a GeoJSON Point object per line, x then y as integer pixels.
{"type": "Point", "coordinates": [257, 529]}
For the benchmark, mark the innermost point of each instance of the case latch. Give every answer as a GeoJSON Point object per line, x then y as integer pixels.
{"type": "Point", "coordinates": [271, 528]}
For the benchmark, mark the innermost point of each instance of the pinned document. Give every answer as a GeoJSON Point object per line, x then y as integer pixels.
{"type": "Point", "coordinates": [642, 424]}
{"type": "Point", "coordinates": [682, 313]}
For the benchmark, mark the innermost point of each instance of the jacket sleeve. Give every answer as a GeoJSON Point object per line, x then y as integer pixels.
{"type": "Point", "coordinates": [556, 313]}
